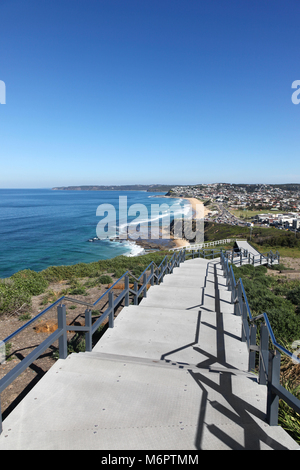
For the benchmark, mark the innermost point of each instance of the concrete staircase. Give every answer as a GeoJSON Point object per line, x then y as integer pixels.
{"type": "Point", "coordinates": [171, 375]}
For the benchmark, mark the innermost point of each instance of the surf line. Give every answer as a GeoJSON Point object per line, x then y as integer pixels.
{"type": "Point", "coordinates": [138, 228]}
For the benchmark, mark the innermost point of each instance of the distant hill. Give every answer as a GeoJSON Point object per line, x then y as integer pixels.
{"type": "Point", "coordinates": [136, 187]}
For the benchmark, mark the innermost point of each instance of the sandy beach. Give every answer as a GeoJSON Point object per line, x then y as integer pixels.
{"type": "Point", "coordinates": [194, 202]}
{"type": "Point", "coordinates": [167, 239]}
{"type": "Point", "coordinates": [198, 212]}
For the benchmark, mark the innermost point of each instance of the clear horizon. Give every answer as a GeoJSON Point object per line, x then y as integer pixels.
{"type": "Point", "coordinates": [114, 92]}
{"type": "Point", "coordinates": [176, 184]}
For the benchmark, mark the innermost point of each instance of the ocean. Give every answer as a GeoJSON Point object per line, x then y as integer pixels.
{"type": "Point", "coordinates": [42, 227]}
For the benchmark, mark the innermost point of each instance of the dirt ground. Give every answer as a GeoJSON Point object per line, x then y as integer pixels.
{"type": "Point", "coordinates": [26, 341]}
{"type": "Point", "coordinates": [292, 271]}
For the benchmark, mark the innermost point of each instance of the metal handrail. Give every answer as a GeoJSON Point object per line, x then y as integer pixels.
{"type": "Point", "coordinates": [61, 333]}
{"type": "Point", "coordinates": [81, 302]}
{"type": "Point", "coordinates": [165, 266]}
{"type": "Point", "coordinates": [265, 316]}
{"type": "Point", "coordinates": [204, 244]}
{"type": "Point", "coordinates": [269, 361]}
{"type": "Point", "coordinates": [276, 344]}
{"type": "Point", "coordinates": [15, 333]}
{"type": "Point", "coordinates": [70, 299]}
{"type": "Point", "coordinates": [240, 282]}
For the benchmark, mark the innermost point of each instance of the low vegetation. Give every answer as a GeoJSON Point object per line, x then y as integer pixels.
{"type": "Point", "coordinates": [280, 299]}
{"type": "Point", "coordinates": [16, 292]}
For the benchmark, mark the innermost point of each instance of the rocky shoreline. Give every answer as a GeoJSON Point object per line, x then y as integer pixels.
{"type": "Point", "coordinates": [148, 244]}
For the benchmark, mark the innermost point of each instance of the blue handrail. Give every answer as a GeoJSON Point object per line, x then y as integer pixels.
{"type": "Point", "coordinates": [269, 361]}
{"type": "Point", "coordinates": [15, 333]}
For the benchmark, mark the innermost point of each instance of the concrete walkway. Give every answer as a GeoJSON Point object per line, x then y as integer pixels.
{"type": "Point", "coordinates": [259, 259]}
{"type": "Point", "coordinates": [171, 375]}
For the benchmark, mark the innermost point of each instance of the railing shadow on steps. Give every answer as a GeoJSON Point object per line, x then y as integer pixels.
{"type": "Point", "coordinates": [141, 283]}
{"type": "Point", "coordinates": [269, 359]}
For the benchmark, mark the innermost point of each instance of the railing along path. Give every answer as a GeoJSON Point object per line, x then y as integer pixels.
{"type": "Point", "coordinates": [269, 360]}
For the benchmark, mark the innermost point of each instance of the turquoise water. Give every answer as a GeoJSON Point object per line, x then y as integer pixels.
{"type": "Point", "coordinates": [41, 228]}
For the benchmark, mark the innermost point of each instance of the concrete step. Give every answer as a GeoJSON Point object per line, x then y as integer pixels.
{"type": "Point", "coordinates": [154, 333]}
{"type": "Point", "coordinates": [171, 375]}
{"type": "Point", "coordinates": [181, 279]}
{"type": "Point", "coordinates": [184, 297]}
{"type": "Point", "coordinates": [87, 402]}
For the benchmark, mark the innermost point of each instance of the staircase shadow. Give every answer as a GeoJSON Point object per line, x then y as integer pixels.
{"type": "Point", "coordinates": [240, 414]}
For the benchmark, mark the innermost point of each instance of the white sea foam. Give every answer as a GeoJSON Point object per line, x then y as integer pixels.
{"type": "Point", "coordinates": [176, 210]}
{"type": "Point", "coordinates": [135, 250]}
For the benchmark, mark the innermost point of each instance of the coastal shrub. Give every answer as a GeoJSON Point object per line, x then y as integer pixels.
{"type": "Point", "coordinates": [294, 296]}
{"type": "Point", "coordinates": [105, 279]}
{"type": "Point", "coordinates": [279, 238]}
{"type": "Point", "coordinates": [284, 286]}
{"type": "Point", "coordinates": [119, 272]}
{"type": "Point", "coordinates": [30, 281]}
{"type": "Point", "coordinates": [264, 294]}
{"type": "Point", "coordinates": [285, 323]}
{"type": "Point", "coordinates": [12, 298]}
{"type": "Point", "coordinates": [77, 290]}
{"type": "Point", "coordinates": [124, 263]}
{"type": "Point", "coordinates": [16, 291]}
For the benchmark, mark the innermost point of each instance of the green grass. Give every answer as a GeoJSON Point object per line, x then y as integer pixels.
{"type": "Point", "coordinates": [284, 251]}
{"type": "Point", "coordinates": [247, 214]}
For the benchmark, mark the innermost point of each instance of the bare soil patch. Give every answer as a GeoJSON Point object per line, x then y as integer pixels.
{"type": "Point", "coordinates": [292, 270]}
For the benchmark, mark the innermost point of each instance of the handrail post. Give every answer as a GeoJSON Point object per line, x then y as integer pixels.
{"type": "Point", "coordinates": [157, 274]}
{"type": "Point", "coordinates": [244, 321]}
{"type": "Point", "coordinates": [235, 298]}
{"type": "Point", "coordinates": [88, 334]}
{"type": "Point", "coordinates": [62, 323]}
{"type": "Point", "coordinates": [1, 427]}
{"type": "Point", "coordinates": [166, 269]}
{"type": "Point", "coordinates": [127, 290]}
{"type": "Point", "coordinates": [252, 354]}
{"type": "Point", "coordinates": [152, 275]}
{"type": "Point", "coordinates": [111, 306]}
{"type": "Point", "coordinates": [273, 379]}
{"type": "Point", "coordinates": [263, 354]}
{"type": "Point", "coordinates": [145, 285]}
{"type": "Point", "coordinates": [135, 300]}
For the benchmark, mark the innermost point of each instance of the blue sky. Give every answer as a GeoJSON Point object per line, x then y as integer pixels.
{"type": "Point", "coordinates": [149, 91]}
